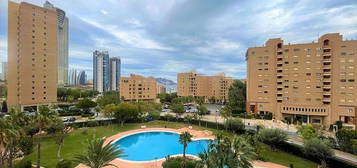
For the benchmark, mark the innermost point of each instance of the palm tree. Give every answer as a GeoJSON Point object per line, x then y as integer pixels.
{"type": "Point", "coordinates": [9, 134]}
{"type": "Point", "coordinates": [185, 138]}
{"type": "Point", "coordinates": [227, 152]}
{"type": "Point", "coordinates": [42, 119]}
{"type": "Point", "coordinates": [226, 113]}
{"type": "Point", "coordinates": [99, 155]}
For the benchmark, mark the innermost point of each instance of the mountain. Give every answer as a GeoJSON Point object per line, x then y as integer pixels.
{"type": "Point", "coordinates": [169, 84]}
{"type": "Point", "coordinates": [166, 82]}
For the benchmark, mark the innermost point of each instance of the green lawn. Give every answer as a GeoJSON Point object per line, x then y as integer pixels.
{"type": "Point", "coordinates": [75, 143]}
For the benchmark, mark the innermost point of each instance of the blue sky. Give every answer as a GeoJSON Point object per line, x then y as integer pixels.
{"type": "Point", "coordinates": [163, 37]}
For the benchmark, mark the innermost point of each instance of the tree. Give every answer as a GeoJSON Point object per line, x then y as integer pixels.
{"type": "Point", "coordinates": [126, 111]}
{"type": "Point", "coordinates": [109, 110]}
{"type": "Point", "coordinates": [226, 113]}
{"type": "Point", "coordinates": [227, 152]}
{"type": "Point", "coordinates": [60, 132]}
{"type": "Point", "coordinates": [237, 97]}
{"type": "Point", "coordinates": [272, 137]}
{"type": "Point", "coordinates": [42, 119]}
{"type": "Point", "coordinates": [98, 154]}
{"type": "Point", "coordinates": [347, 140]}
{"type": "Point", "coordinates": [185, 138]}
{"type": "Point", "coordinates": [307, 132]}
{"type": "Point", "coordinates": [111, 97]}
{"type": "Point", "coordinates": [178, 108]}
{"type": "Point", "coordinates": [318, 148]}
{"type": "Point", "coordinates": [202, 110]}
{"type": "Point", "coordinates": [86, 104]}
{"type": "Point", "coordinates": [236, 125]}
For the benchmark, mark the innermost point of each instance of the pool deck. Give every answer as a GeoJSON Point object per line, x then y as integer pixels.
{"type": "Point", "coordinates": [120, 163]}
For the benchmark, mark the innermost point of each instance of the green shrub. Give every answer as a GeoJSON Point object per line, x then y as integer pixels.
{"type": "Point", "coordinates": [64, 164]}
{"type": "Point", "coordinates": [346, 139]}
{"type": "Point", "coordinates": [23, 164]}
{"type": "Point", "coordinates": [177, 162]}
{"type": "Point", "coordinates": [26, 145]}
{"type": "Point", "coordinates": [235, 125]}
{"type": "Point", "coordinates": [273, 137]}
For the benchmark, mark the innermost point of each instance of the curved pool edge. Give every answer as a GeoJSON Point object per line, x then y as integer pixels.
{"type": "Point", "coordinates": [145, 130]}
{"type": "Point", "coordinates": [156, 160]}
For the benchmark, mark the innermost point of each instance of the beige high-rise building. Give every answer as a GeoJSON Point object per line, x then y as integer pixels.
{"type": "Point", "coordinates": [311, 82]}
{"type": "Point", "coordinates": [136, 87]}
{"type": "Point", "coordinates": [193, 84]}
{"type": "Point", "coordinates": [32, 55]}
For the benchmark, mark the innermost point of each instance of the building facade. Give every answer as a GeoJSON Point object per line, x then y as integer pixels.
{"type": "Point", "coordinates": [81, 78]}
{"type": "Point", "coordinates": [72, 77]}
{"type": "Point", "coordinates": [115, 64]}
{"type": "Point", "coordinates": [62, 42]}
{"type": "Point", "coordinates": [101, 71]}
{"type": "Point", "coordinates": [4, 71]}
{"type": "Point", "coordinates": [32, 55]}
{"type": "Point", "coordinates": [161, 88]}
{"type": "Point", "coordinates": [210, 87]}
{"type": "Point", "coordinates": [136, 87]}
{"type": "Point", "coordinates": [311, 82]}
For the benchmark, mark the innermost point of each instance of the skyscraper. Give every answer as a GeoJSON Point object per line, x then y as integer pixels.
{"type": "Point", "coordinates": [81, 78]}
{"type": "Point", "coordinates": [101, 73]}
{"type": "Point", "coordinates": [72, 77]}
{"type": "Point", "coordinates": [4, 71]}
{"type": "Point", "coordinates": [32, 55]}
{"type": "Point", "coordinates": [115, 73]}
{"type": "Point", "coordinates": [62, 41]}
{"type": "Point", "coordinates": [311, 82]}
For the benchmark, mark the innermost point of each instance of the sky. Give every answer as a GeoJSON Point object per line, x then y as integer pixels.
{"type": "Point", "coordinates": [164, 37]}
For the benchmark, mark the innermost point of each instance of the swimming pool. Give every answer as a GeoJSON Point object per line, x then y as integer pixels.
{"type": "Point", "coordinates": [148, 146]}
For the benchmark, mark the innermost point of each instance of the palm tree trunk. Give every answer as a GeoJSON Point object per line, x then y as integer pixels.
{"type": "Point", "coordinates": [59, 150]}
{"type": "Point", "coordinates": [39, 150]}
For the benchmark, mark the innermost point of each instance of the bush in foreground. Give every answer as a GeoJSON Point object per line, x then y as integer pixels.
{"type": "Point", "coordinates": [235, 125]}
{"type": "Point", "coordinates": [318, 148]}
{"type": "Point", "coordinates": [177, 162]}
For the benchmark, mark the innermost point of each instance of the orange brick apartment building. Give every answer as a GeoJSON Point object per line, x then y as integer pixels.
{"type": "Point", "coordinates": [193, 84]}
{"type": "Point", "coordinates": [136, 87]}
{"type": "Point", "coordinates": [32, 55]}
{"type": "Point", "coordinates": [313, 82]}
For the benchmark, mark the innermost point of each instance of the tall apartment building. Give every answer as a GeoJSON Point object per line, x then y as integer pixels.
{"type": "Point", "coordinates": [4, 71]}
{"type": "Point", "coordinates": [193, 84]}
{"type": "Point", "coordinates": [32, 55]}
{"type": "Point", "coordinates": [72, 77]}
{"type": "Point", "coordinates": [101, 77]}
{"type": "Point", "coordinates": [81, 78]}
{"type": "Point", "coordinates": [136, 87]}
{"type": "Point", "coordinates": [311, 82]}
{"type": "Point", "coordinates": [62, 42]}
{"type": "Point", "coordinates": [115, 64]}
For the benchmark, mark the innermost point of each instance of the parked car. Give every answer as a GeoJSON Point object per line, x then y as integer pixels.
{"type": "Point", "coordinates": [65, 119]}
{"type": "Point", "coordinates": [72, 119]}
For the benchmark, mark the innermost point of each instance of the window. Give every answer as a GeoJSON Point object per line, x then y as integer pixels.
{"type": "Point", "coordinates": [316, 121]}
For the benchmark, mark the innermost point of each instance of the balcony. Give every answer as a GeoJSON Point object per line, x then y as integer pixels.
{"type": "Point", "coordinates": [327, 80]}
{"type": "Point", "coordinates": [326, 54]}
{"type": "Point", "coordinates": [279, 80]}
{"type": "Point", "coordinates": [279, 68]}
{"type": "Point", "coordinates": [279, 74]}
{"type": "Point", "coordinates": [326, 61]}
{"type": "Point", "coordinates": [326, 87]}
{"type": "Point", "coordinates": [327, 74]}
{"type": "Point", "coordinates": [279, 98]}
{"type": "Point", "coordinates": [279, 62]}
{"type": "Point", "coordinates": [280, 86]}
{"type": "Point", "coordinates": [326, 47]}
{"type": "Point", "coordinates": [327, 94]}
{"type": "Point", "coordinates": [279, 93]}
{"type": "Point", "coordinates": [326, 67]}
{"type": "Point", "coordinates": [326, 100]}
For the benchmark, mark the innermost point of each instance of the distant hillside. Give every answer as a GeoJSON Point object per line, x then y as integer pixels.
{"type": "Point", "coordinates": [169, 84]}
{"type": "Point", "coordinates": [165, 82]}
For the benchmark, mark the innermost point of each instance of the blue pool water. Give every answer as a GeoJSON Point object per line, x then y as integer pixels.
{"type": "Point", "coordinates": [156, 145]}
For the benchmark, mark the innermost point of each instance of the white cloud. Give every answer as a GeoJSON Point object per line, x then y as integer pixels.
{"type": "Point", "coordinates": [133, 38]}
{"type": "Point", "coordinates": [104, 12]}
